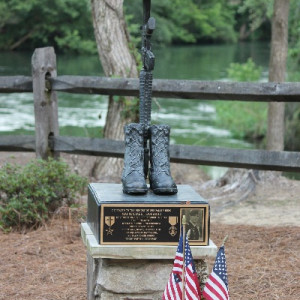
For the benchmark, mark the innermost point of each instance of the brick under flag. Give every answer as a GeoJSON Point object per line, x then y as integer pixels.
{"type": "Point", "coordinates": [174, 288]}
{"type": "Point", "coordinates": [216, 286]}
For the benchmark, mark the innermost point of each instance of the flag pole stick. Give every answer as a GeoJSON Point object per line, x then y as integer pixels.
{"type": "Point", "coordinates": [183, 252]}
{"type": "Point", "coordinates": [224, 241]}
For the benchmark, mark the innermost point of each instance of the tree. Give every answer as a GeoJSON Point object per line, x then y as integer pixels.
{"type": "Point", "coordinates": [244, 181]}
{"type": "Point", "coordinates": [252, 15]}
{"type": "Point", "coordinates": [189, 21]}
{"type": "Point", "coordinates": [35, 23]}
{"type": "Point", "coordinates": [277, 70]}
{"type": "Point", "coordinates": [117, 59]}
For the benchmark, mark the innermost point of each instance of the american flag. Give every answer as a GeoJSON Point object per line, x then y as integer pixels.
{"type": "Point", "coordinates": [173, 290]}
{"type": "Point", "coordinates": [216, 286]}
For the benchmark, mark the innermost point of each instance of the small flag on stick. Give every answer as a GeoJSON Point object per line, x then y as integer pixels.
{"type": "Point", "coordinates": [216, 286]}
{"type": "Point", "coordinates": [183, 282]}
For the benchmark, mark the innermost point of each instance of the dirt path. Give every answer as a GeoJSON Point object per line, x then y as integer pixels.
{"type": "Point", "coordinates": [272, 203]}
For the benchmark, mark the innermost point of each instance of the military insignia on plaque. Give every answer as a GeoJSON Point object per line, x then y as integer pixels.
{"type": "Point", "coordinates": [173, 220]}
{"type": "Point", "coordinates": [110, 221]}
{"type": "Point", "coordinates": [147, 221]}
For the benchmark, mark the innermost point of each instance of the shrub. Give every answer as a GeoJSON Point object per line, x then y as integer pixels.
{"type": "Point", "coordinates": [246, 120]}
{"type": "Point", "coordinates": [292, 124]}
{"type": "Point", "coordinates": [248, 71]}
{"type": "Point", "coordinates": [29, 194]}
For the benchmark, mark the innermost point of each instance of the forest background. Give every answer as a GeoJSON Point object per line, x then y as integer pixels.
{"type": "Point", "coordinates": [67, 25]}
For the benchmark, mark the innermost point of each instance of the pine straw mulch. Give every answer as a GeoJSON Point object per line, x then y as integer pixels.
{"type": "Point", "coordinates": [50, 263]}
{"type": "Point", "coordinates": [262, 262]}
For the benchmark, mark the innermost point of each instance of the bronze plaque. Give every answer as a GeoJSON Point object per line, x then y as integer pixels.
{"type": "Point", "coordinates": [158, 224]}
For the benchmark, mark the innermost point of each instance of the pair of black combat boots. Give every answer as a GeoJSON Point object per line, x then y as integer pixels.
{"type": "Point", "coordinates": [136, 164]}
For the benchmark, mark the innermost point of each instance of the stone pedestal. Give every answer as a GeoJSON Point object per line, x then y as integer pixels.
{"type": "Point", "coordinates": [134, 271]}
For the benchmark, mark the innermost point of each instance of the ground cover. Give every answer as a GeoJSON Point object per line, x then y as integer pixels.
{"type": "Point", "coordinates": [50, 263]}
{"type": "Point", "coordinates": [262, 251]}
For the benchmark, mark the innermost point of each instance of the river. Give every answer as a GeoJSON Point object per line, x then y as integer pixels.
{"type": "Point", "coordinates": [192, 122]}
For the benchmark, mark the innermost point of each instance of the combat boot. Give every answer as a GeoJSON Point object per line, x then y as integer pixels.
{"type": "Point", "coordinates": [133, 177]}
{"type": "Point", "coordinates": [160, 178]}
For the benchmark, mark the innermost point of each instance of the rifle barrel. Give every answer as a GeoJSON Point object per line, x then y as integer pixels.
{"type": "Point", "coordinates": [146, 13]}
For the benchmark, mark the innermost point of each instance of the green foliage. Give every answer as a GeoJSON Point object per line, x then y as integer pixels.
{"type": "Point", "coordinates": [292, 132]}
{"type": "Point", "coordinates": [256, 12]}
{"type": "Point", "coordinates": [220, 16]}
{"type": "Point", "coordinates": [244, 72]}
{"type": "Point", "coordinates": [294, 31]}
{"type": "Point", "coordinates": [134, 39]}
{"type": "Point", "coordinates": [292, 110]}
{"type": "Point", "coordinates": [246, 120]}
{"type": "Point", "coordinates": [72, 41]}
{"type": "Point", "coordinates": [29, 194]}
{"type": "Point", "coordinates": [65, 24]}
{"type": "Point", "coordinates": [188, 21]}
{"type": "Point", "coordinates": [130, 109]}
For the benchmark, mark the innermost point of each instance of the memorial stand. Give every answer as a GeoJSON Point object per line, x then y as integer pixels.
{"type": "Point", "coordinates": [135, 270]}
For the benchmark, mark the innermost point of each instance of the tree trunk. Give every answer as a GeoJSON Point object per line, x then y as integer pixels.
{"type": "Point", "coordinates": [117, 60]}
{"type": "Point", "coordinates": [277, 70]}
{"type": "Point", "coordinates": [243, 182]}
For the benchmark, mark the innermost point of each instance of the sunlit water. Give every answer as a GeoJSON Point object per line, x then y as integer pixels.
{"type": "Point", "coordinates": [192, 122]}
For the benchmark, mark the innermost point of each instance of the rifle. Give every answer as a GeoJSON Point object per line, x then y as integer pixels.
{"type": "Point", "coordinates": [146, 78]}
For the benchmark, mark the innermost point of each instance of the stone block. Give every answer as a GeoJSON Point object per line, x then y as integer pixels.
{"type": "Point", "coordinates": [134, 272]}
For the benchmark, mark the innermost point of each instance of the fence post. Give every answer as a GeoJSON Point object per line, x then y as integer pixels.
{"type": "Point", "coordinates": [45, 101]}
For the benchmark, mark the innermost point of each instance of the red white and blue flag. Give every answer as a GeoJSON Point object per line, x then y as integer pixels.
{"type": "Point", "coordinates": [174, 288]}
{"type": "Point", "coordinates": [216, 286]}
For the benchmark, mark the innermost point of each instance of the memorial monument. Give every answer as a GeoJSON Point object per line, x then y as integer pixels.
{"type": "Point", "coordinates": [131, 225]}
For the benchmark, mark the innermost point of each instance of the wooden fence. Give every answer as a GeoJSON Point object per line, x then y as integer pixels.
{"type": "Point", "coordinates": [44, 83]}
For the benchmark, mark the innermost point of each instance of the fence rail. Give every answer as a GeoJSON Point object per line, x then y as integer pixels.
{"type": "Point", "coordinates": [164, 88]}
{"type": "Point", "coordinates": [197, 155]}
{"type": "Point", "coordinates": [44, 83]}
